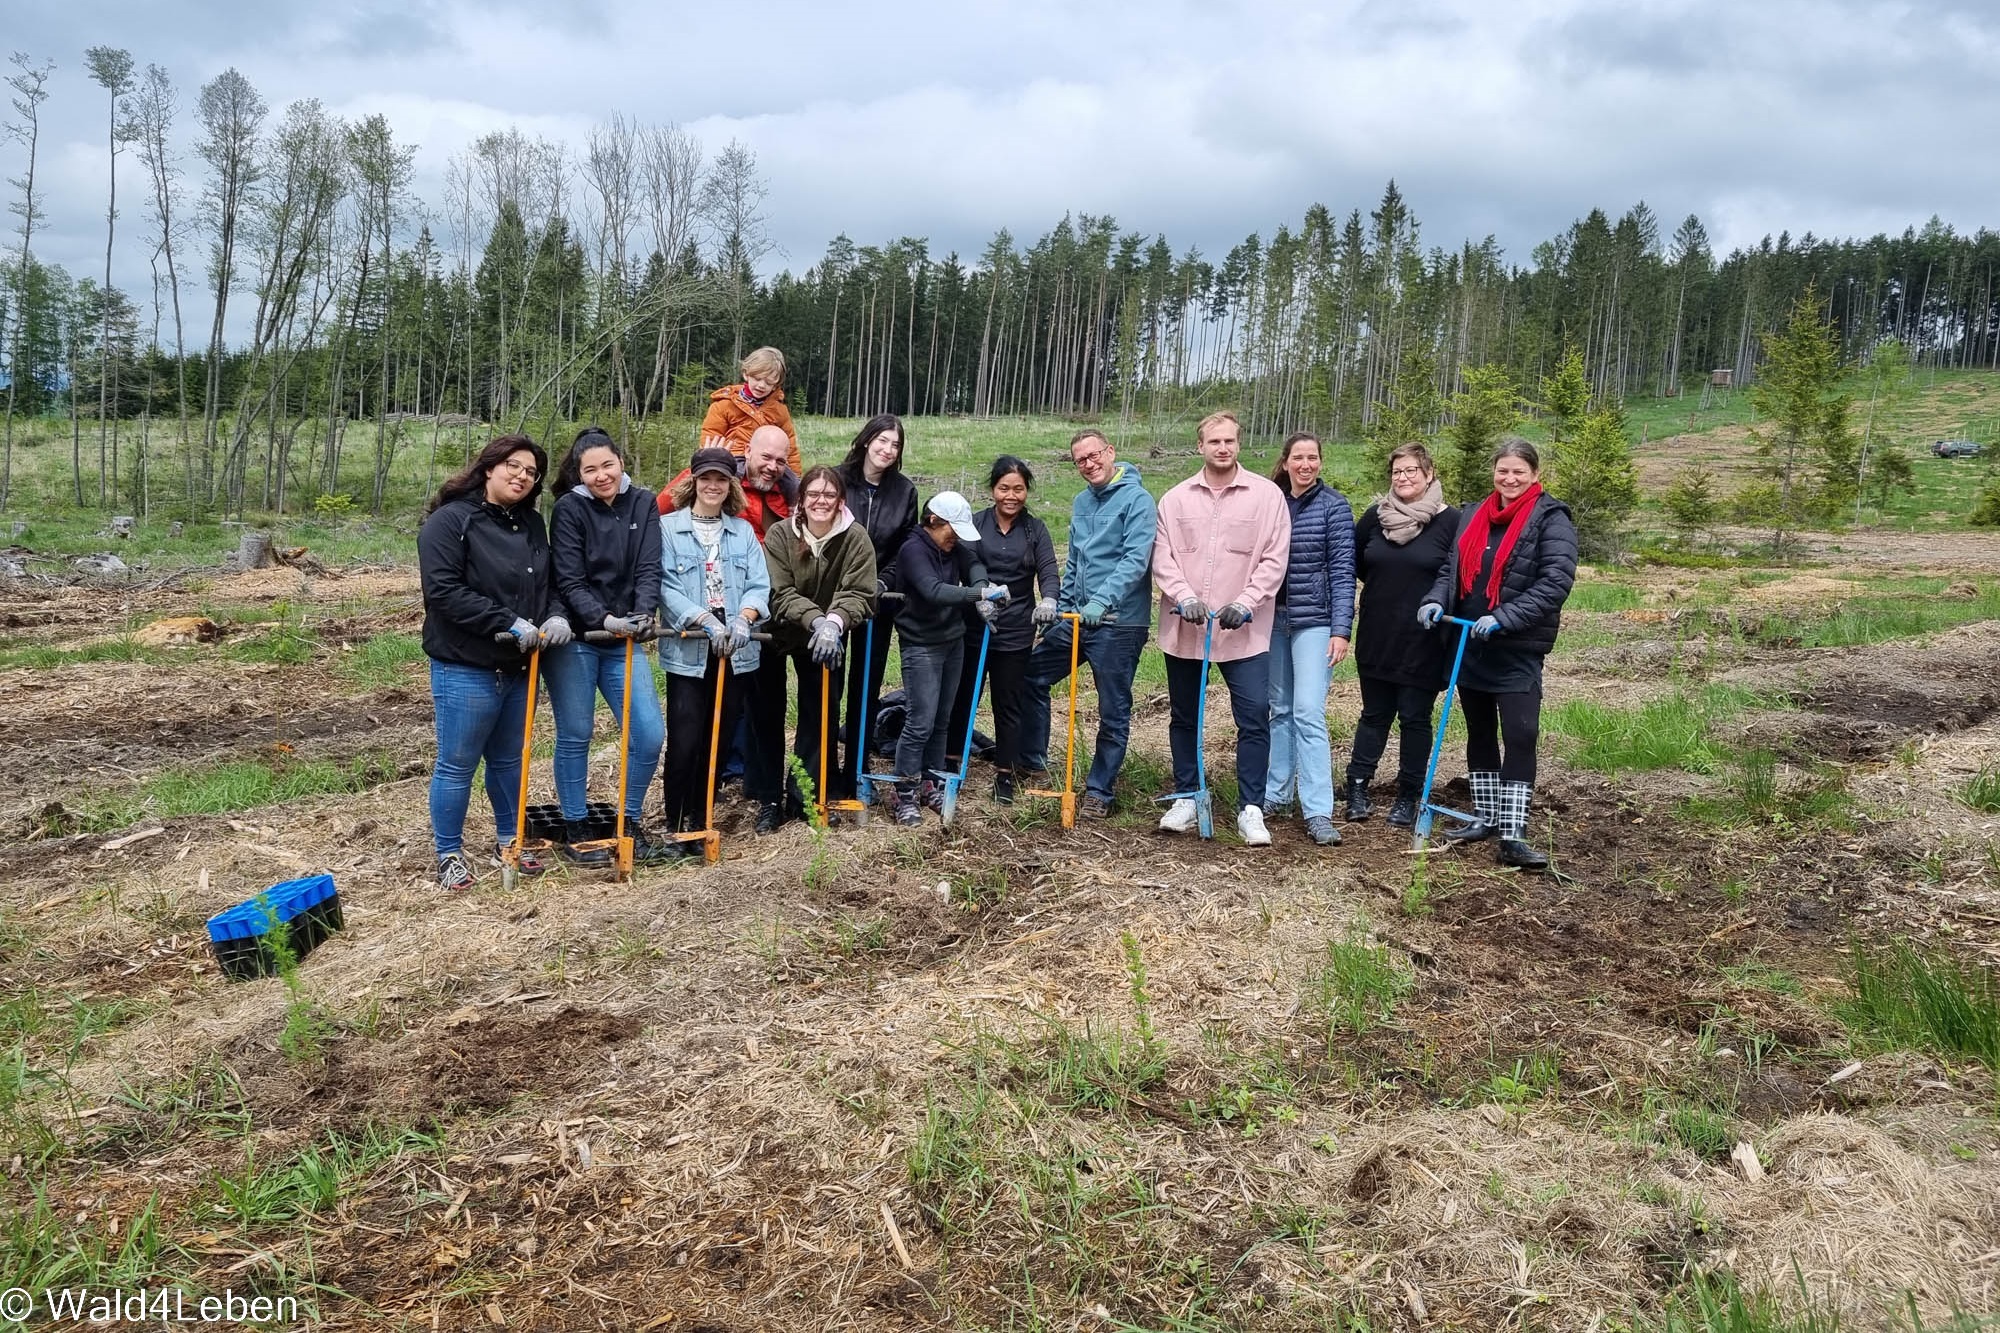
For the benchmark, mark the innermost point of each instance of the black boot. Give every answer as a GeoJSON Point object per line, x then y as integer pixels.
{"type": "Point", "coordinates": [1003, 786]}
{"type": "Point", "coordinates": [1485, 808]}
{"type": "Point", "coordinates": [1513, 849]}
{"type": "Point", "coordinates": [576, 831]}
{"type": "Point", "coordinates": [646, 852]}
{"type": "Point", "coordinates": [1403, 813]}
{"type": "Point", "coordinates": [1359, 807]}
{"type": "Point", "coordinates": [770, 817]}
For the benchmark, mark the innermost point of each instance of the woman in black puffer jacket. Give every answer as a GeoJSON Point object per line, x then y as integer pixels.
{"type": "Point", "coordinates": [1510, 573]}
{"type": "Point", "coordinates": [884, 504]}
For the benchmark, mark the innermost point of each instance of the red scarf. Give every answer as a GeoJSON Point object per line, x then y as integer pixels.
{"type": "Point", "coordinates": [1478, 528]}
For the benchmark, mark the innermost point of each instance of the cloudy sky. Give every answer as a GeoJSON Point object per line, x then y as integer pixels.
{"type": "Point", "coordinates": [1202, 121]}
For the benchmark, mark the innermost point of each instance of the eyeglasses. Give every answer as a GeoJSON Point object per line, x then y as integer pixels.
{"type": "Point", "coordinates": [1091, 459]}
{"type": "Point", "coordinates": [822, 497]}
{"type": "Point", "coordinates": [1398, 473]}
{"type": "Point", "coordinates": [528, 470]}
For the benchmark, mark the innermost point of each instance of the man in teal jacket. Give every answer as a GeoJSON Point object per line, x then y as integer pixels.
{"type": "Point", "coordinates": [1107, 581]}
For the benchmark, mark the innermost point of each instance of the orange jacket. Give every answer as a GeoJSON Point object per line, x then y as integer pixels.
{"type": "Point", "coordinates": [732, 419]}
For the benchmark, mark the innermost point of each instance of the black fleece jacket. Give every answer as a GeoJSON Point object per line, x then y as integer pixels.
{"type": "Point", "coordinates": [607, 556]}
{"type": "Point", "coordinates": [889, 514]}
{"type": "Point", "coordinates": [483, 567]}
{"type": "Point", "coordinates": [937, 586]}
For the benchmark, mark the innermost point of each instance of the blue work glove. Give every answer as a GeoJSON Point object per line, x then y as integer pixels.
{"type": "Point", "coordinates": [739, 634]}
{"type": "Point", "coordinates": [1485, 627]}
{"type": "Point", "coordinates": [556, 632]}
{"type": "Point", "coordinates": [1429, 614]}
{"type": "Point", "coordinates": [1192, 610]}
{"type": "Point", "coordinates": [825, 644]}
{"type": "Point", "coordinates": [526, 637]}
{"type": "Point", "coordinates": [1045, 612]}
{"type": "Point", "coordinates": [1092, 614]}
{"type": "Point", "coordinates": [718, 637]}
{"type": "Point", "coordinates": [1234, 616]}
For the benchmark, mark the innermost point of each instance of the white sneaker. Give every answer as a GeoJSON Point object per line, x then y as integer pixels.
{"type": "Point", "coordinates": [1250, 823]}
{"type": "Point", "coordinates": [1180, 817]}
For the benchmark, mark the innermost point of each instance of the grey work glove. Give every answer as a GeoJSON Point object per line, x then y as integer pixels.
{"type": "Point", "coordinates": [1234, 616]}
{"type": "Point", "coordinates": [1045, 611]}
{"type": "Point", "coordinates": [997, 593]}
{"type": "Point", "coordinates": [1192, 610]}
{"type": "Point", "coordinates": [825, 644]}
{"type": "Point", "coordinates": [1429, 614]}
{"type": "Point", "coordinates": [556, 632]}
{"type": "Point", "coordinates": [987, 610]}
{"type": "Point", "coordinates": [526, 637]}
{"type": "Point", "coordinates": [627, 627]}
{"type": "Point", "coordinates": [718, 637]}
{"type": "Point", "coordinates": [739, 634]}
{"type": "Point", "coordinates": [1485, 627]}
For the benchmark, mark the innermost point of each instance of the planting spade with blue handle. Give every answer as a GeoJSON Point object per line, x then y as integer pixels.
{"type": "Point", "coordinates": [953, 781]}
{"type": "Point", "coordinates": [1204, 803]}
{"type": "Point", "coordinates": [1426, 811]}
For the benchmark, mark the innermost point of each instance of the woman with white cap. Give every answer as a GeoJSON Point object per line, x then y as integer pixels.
{"type": "Point", "coordinates": [941, 574]}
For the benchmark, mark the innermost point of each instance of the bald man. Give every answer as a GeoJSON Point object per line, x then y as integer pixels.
{"type": "Point", "coordinates": [769, 484]}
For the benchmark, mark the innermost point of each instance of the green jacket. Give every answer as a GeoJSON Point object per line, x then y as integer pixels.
{"type": "Point", "coordinates": [839, 580]}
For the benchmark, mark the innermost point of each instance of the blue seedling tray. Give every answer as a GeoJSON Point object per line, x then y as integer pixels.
{"type": "Point", "coordinates": [308, 909]}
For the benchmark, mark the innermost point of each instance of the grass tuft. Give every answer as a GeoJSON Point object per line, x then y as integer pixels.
{"type": "Point", "coordinates": [1904, 998]}
{"type": "Point", "coordinates": [1982, 790]}
{"type": "Point", "coordinates": [1357, 985]}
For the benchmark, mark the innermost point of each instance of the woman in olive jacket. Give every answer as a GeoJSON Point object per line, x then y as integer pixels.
{"type": "Point", "coordinates": [1510, 572]}
{"type": "Point", "coordinates": [822, 586]}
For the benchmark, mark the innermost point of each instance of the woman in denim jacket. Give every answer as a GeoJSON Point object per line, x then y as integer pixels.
{"type": "Point", "coordinates": [712, 580]}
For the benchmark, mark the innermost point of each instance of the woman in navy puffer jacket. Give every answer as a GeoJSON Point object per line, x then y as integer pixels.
{"type": "Point", "coordinates": [1309, 636]}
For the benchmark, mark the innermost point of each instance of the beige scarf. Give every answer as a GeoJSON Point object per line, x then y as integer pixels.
{"type": "Point", "coordinates": [1401, 522]}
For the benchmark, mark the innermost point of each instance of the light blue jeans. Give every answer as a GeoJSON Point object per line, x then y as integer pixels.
{"type": "Point", "coordinates": [577, 673]}
{"type": "Point", "coordinates": [1301, 753]}
{"type": "Point", "coordinates": [479, 715]}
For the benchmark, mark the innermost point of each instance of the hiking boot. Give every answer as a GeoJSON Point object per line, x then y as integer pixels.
{"type": "Point", "coordinates": [930, 795]}
{"type": "Point", "coordinates": [909, 813]}
{"type": "Point", "coordinates": [1359, 807]}
{"type": "Point", "coordinates": [1403, 814]}
{"type": "Point", "coordinates": [1250, 825]}
{"type": "Point", "coordinates": [1181, 816]}
{"type": "Point", "coordinates": [1513, 849]}
{"type": "Point", "coordinates": [1003, 787]}
{"type": "Point", "coordinates": [1321, 830]}
{"type": "Point", "coordinates": [646, 852]}
{"type": "Point", "coordinates": [1093, 807]}
{"type": "Point", "coordinates": [578, 832]}
{"type": "Point", "coordinates": [1485, 809]}
{"type": "Point", "coordinates": [770, 817]}
{"type": "Point", "coordinates": [530, 861]}
{"type": "Point", "coordinates": [453, 872]}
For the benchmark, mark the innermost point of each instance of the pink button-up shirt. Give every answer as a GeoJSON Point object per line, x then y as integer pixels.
{"type": "Point", "coordinates": [1222, 546]}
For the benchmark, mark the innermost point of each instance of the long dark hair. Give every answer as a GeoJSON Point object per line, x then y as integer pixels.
{"type": "Point", "coordinates": [472, 479]}
{"type": "Point", "coordinates": [1292, 442]}
{"type": "Point", "coordinates": [831, 476]}
{"type": "Point", "coordinates": [857, 453]}
{"type": "Point", "coordinates": [569, 473]}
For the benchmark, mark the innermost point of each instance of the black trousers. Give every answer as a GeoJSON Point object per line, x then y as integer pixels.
{"type": "Point", "coordinates": [1494, 720]}
{"type": "Point", "coordinates": [1007, 684]}
{"type": "Point", "coordinates": [1407, 706]}
{"type": "Point", "coordinates": [690, 721]}
{"type": "Point", "coordinates": [764, 713]}
{"type": "Point", "coordinates": [864, 691]}
{"type": "Point", "coordinates": [798, 664]}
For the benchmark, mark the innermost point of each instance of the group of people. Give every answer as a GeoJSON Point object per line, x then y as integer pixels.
{"type": "Point", "coordinates": [755, 573]}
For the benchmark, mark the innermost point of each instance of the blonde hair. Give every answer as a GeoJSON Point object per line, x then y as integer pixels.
{"type": "Point", "coordinates": [683, 496]}
{"type": "Point", "coordinates": [766, 363]}
{"type": "Point", "coordinates": [1214, 419]}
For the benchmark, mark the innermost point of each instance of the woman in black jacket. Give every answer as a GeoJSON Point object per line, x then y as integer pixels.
{"type": "Point", "coordinates": [1510, 572]}
{"type": "Point", "coordinates": [484, 558]}
{"type": "Point", "coordinates": [1016, 549]}
{"type": "Point", "coordinates": [884, 503]}
{"type": "Point", "coordinates": [606, 534]}
{"type": "Point", "coordinates": [1400, 544]}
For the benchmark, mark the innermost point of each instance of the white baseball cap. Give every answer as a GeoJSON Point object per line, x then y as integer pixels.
{"type": "Point", "coordinates": [953, 509]}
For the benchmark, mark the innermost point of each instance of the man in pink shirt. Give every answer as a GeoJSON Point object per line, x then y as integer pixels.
{"type": "Point", "coordinates": [1223, 541]}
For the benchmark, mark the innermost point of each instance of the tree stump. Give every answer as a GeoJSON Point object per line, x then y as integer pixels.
{"type": "Point", "coordinates": [253, 551]}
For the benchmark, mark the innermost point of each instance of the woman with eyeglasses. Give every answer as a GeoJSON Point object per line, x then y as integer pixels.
{"type": "Point", "coordinates": [1400, 544]}
{"type": "Point", "coordinates": [822, 586]}
{"type": "Point", "coordinates": [489, 601]}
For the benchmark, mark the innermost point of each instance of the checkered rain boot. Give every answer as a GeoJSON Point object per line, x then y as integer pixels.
{"type": "Point", "coordinates": [1485, 804]}
{"type": "Point", "coordinates": [1513, 850]}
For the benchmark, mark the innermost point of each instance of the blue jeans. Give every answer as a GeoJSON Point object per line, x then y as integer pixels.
{"type": "Point", "coordinates": [577, 673]}
{"type": "Point", "coordinates": [1113, 654]}
{"type": "Point", "coordinates": [1249, 682]}
{"type": "Point", "coordinates": [1301, 753]}
{"type": "Point", "coordinates": [479, 715]}
{"type": "Point", "coordinates": [930, 684]}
